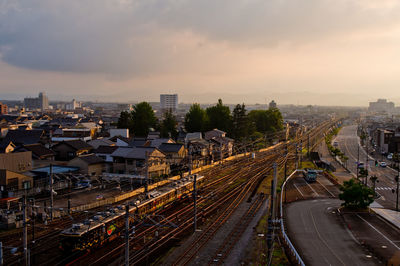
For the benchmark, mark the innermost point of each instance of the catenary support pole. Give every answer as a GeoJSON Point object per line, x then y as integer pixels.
{"type": "Point", "coordinates": [51, 192]}
{"type": "Point", "coordinates": [127, 235]}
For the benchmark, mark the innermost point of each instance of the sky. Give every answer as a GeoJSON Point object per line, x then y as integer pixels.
{"type": "Point", "coordinates": [325, 52]}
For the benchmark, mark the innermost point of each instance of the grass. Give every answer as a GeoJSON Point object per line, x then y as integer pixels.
{"type": "Point", "coordinates": [307, 164]}
{"type": "Point", "coordinates": [278, 256]}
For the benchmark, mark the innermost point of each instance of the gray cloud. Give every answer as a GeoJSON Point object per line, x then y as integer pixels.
{"type": "Point", "coordinates": [136, 36]}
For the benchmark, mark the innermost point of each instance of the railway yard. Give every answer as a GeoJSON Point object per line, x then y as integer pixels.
{"type": "Point", "coordinates": [227, 200]}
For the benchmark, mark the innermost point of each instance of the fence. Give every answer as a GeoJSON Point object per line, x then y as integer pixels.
{"type": "Point", "coordinates": [161, 183]}
{"type": "Point", "coordinates": [285, 236]}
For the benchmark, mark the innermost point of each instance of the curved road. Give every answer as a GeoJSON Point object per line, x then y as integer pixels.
{"type": "Point", "coordinates": [320, 237]}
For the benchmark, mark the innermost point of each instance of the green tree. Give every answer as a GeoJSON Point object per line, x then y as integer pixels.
{"type": "Point", "coordinates": [240, 123]}
{"type": "Point", "coordinates": [276, 119]}
{"type": "Point", "coordinates": [355, 195]}
{"type": "Point", "coordinates": [195, 119]}
{"type": "Point", "coordinates": [125, 121]}
{"type": "Point", "coordinates": [219, 116]}
{"type": "Point", "coordinates": [143, 119]}
{"type": "Point", "coordinates": [267, 121]}
{"type": "Point", "coordinates": [168, 126]}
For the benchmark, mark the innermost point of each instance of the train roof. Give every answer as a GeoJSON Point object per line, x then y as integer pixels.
{"type": "Point", "coordinates": [102, 218]}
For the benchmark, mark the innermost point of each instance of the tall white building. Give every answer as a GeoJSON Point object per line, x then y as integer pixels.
{"type": "Point", "coordinates": [169, 102]}
{"type": "Point", "coordinates": [41, 102]}
{"type": "Point", "coordinates": [381, 105]}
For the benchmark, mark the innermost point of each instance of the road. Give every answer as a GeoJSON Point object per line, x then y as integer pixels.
{"type": "Point", "coordinates": [320, 237]}
{"type": "Point", "coordinates": [348, 143]}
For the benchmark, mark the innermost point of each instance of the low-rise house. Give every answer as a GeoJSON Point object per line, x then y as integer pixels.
{"type": "Point", "coordinates": [153, 135]}
{"type": "Point", "coordinates": [16, 161]}
{"type": "Point", "coordinates": [157, 142]}
{"type": "Point", "coordinates": [222, 146]}
{"type": "Point", "coordinates": [215, 133]}
{"type": "Point", "coordinates": [7, 147]}
{"type": "Point", "coordinates": [67, 150]}
{"type": "Point", "coordinates": [120, 141]}
{"type": "Point", "coordinates": [193, 136]}
{"type": "Point", "coordinates": [88, 164]}
{"type": "Point", "coordinates": [104, 152]}
{"type": "Point", "coordinates": [39, 152]}
{"type": "Point", "coordinates": [24, 137]}
{"type": "Point", "coordinates": [201, 152]}
{"type": "Point", "coordinates": [11, 183]}
{"type": "Point", "coordinates": [124, 132]}
{"type": "Point", "coordinates": [84, 134]}
{"type": "Point", "coordinates": [100, 142]}
{"type": "Point", "coordinates": [174, 152]}
{"type": "Point", "coordinates": [132, 160]}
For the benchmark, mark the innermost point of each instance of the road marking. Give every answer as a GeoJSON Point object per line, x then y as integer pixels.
{"type": "Point", "coordinates": [373, 227]}
{"type": "Point", "coordinates": [384, 188]}
{"type": "Point", "coordinates": [323, 241]}
{"type": "Point", "coordinates": [325, 188]}
{"type": "Point", "coordinates": [298, 189]}
{"type": "Point", "coordinates": [311, 188]}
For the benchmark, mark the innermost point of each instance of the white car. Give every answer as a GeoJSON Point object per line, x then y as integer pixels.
{"type": "Point", "coordinates": [383, 164]}
{"type": "Point", "coordinates": [390, 156]}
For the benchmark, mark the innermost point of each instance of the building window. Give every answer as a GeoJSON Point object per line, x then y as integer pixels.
{"type": "Point", "coordinates": [26, 184]}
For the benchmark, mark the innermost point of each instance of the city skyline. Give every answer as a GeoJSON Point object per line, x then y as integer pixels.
{"type": "Point", "coordinates": [318, 52]}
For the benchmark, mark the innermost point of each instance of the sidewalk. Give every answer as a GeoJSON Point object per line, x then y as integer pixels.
{"type": "Point", "coordinates": [341, 173]}
{"type": "Point", "coordinates": [391, 216]}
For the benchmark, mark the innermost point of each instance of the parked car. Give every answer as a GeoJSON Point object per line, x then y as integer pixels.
{"type": "Point", "coordinates": [390, 156]}
{"type": "Point", "coordinates": [383, 164]}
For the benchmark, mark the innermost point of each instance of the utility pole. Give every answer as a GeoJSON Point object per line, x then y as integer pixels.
{"type": "Point", "coordinates": [51, 192]}
{"type": "Point", "coordinates": [301, 153]}
{"type": "Point", "coordinates": [127, 235]}
{"type": "Point", "coordinates": [190, 160]}
{"type": "Point", "coordinates": [397, 193]}
{"type": "Point", "coordinates": [308, 145]}
{"type": "Point", "coordinates": [220, 151]}
{"type": "Point", "coordinates": [286, 157]}
{"type": "Point", "coordinates": [297, 159]}
{"type": "Point", "coordinates": [274, 191]}
{"type": "Point", "coordinates": [146, 185]}
{"type": "Point", "coordinates": [25, 231]}
{"type": "Point", "coordinates": [397, 187]}
{"type": "Point", "coordinates": [194, 203]}
{"type": "Point", "coordinates": [366, 165]}
{"type": "Point", "coordinates": [1, 253]}
{"type": "Point", "coordinates": [358, 158]}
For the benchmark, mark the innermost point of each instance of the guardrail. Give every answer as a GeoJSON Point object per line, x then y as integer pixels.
{"type": "Point", "coordinates": [285, 236]}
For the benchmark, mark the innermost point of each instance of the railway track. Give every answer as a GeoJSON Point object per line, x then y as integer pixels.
{"type": "Point", "coordinates": [148, 249]}
{"type": "Point", "coordinates": [230, 171]}
{"type": "Point", "coordinates": [234, 235]}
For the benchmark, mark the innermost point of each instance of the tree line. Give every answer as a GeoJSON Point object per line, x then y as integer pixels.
{"type": "Point", "coordinates": [239, 124]}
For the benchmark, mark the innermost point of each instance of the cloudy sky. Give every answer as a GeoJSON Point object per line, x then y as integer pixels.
{"type": "Point", "coordinates": [333, 52]}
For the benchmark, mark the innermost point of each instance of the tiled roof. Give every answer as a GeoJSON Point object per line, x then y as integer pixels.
{"type": "Point", "coordinates": [170, 147]}
{"type": "Point", "coordinates": [39, 150]}
{"type": "Point", "coordinates": [23, 137]}
{"type": "Point", "coordinates": [132, 152]}
{"type": "Point", "coordinates": [76, 144]}
{"type": "Point", "coordinates": [105, 149]}
{"type": "Point", "coordinates": [90, 159]}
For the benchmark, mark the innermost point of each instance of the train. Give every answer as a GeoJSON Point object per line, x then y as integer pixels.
{"type": "Point", "coordinates": [310, 175]}
{"type": "Point", "coordinates": [106, 226]}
